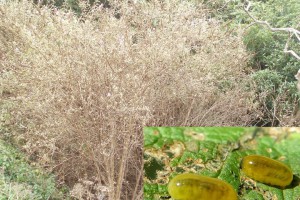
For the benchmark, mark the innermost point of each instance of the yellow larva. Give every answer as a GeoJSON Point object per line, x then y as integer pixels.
{"type": "Point", "coordinates": [267, 170]}
{"type": "Point", "coordinates": [197, 187]}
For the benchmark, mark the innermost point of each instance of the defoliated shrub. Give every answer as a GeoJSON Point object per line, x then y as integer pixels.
{"type": "Point", "coordinates": [87, 87]}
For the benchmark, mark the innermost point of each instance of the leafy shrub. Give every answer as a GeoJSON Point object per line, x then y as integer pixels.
{"type": "Point", "coordinates": [267, 49]}
{"type": "Point", "coordinates": [276, 95]}
{"type": "Point", "coordinates": [267, 80]}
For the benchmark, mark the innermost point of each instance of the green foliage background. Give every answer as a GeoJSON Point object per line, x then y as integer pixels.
{"type": "Point", "coordinates": [274, 70]}
{"type": "Point", "coordinates": [217, 152]}
{"type": "Point", "coordinates": [276, 75]}
{"type": "Point", "coordinates": [20, 180]}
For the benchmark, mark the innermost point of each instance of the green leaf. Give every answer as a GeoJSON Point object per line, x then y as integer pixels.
{"type": "Point", "coordinates": [217, 152]}
{"type": "Point", "coordinates": [253, 195]}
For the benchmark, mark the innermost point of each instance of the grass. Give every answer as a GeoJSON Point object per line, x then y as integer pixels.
{"type": "Point", "coordinates": [76, 92]}
{"type": "Point", "coordinates": [19, 180]}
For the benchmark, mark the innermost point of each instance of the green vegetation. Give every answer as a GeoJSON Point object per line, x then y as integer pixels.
{"type": "Point", "coordinates": [279, 85]}
{"type": "Point", "coordinates": [217, 152]}
{"type": "Point", "coordinates": [19, 180]}
{"type": "Point", "coordinates": [273, 69]}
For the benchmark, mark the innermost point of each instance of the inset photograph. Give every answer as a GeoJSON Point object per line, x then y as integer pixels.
{"type": "Point", "coordinates": [221, 163]}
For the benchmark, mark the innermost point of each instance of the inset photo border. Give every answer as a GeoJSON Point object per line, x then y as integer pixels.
{"type": "Point", "coordinates": [229, 162]}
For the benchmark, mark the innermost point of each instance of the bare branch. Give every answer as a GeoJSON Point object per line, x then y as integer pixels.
{"type": "Point", "coordinates": [291, 51]}
{"type": "Point", "coordinates": [292, 31]}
